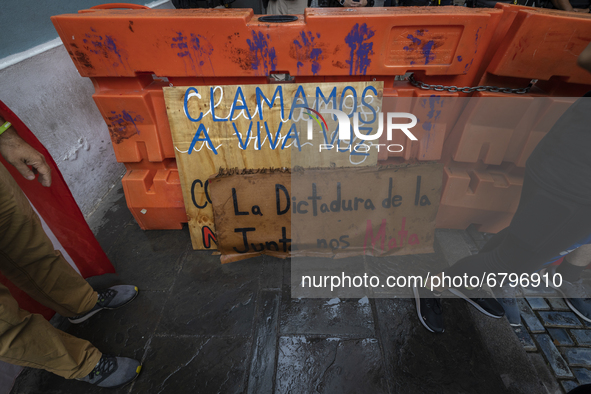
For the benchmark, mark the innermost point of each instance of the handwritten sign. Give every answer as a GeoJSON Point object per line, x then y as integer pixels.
{"type": "Point", "coordinates": [263, 126]}
{"type": "Point", "coordinates": [326, 213]}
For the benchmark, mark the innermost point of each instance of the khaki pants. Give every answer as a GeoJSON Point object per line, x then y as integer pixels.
{"type": "Point", "coordinates": [286, 7]}
{"type": "Point", "coordinates": [28, 260]}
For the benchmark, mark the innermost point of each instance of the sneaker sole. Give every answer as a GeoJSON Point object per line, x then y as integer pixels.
{"type": "Point", "coordinates": [91, 314]}
{"type": "Point", "coordinates": [85, 317]}
{"type": "Point", "coordinates": [415, 291]}
{"type": "Point", "coordinates": [575, 310]}
{"type": "Point", "coordinates": [475, 305]}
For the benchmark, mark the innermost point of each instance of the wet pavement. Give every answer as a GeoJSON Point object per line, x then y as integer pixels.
{"type": "Point", "coordinates": [202, 327]}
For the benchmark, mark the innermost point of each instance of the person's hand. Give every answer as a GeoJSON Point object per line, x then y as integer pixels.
{"type": "Point", "coordinates": [584, 10]}
{"type": "Point", "coordinates": [21, 155]}
{"type": "Point", "coordinates": [351, 3]}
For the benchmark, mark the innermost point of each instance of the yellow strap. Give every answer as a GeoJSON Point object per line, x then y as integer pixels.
{"type": "Point", "coordinates": [5, 127]}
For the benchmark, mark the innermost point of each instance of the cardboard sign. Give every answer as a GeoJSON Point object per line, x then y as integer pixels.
{"type": "Point", "coordinates": [261, 126]}
{"type": "Point", "coordinates": [326, 213]}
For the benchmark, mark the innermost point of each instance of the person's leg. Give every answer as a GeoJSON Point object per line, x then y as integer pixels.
{"type": "Point", "coordinates": [543, 226]}
{"type": "Point", "coordinates": [29, 340]}
{"type": "Point", "coordinates": [575, 293]}
{"type": "Point", "coordinates": [28, 259]}
{"type": "Point", "coordinates": [296, 7]}
{"type": "Point", "coordinates": [495, 241]}
{"type": "Point", "coordinates": [505, 295]}
{"type": "Point", "coordinates": [574, 263]}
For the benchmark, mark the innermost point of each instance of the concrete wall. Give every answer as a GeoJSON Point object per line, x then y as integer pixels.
{"type": "Point", "coordinates": [47, 93]}
{"type": "Point", "coordinates": [42, 86]}
{"type": "Point", "coordinates": [39, 82]}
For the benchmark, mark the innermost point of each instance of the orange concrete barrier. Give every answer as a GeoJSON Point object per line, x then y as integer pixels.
{"type": "Point", "coordinates": [436, 114]}
{"type": "Point", "coordinates": [131, 54]}
{"type": "Point", "coordinates": [235, 43]}
{"type": "Point", "coordinates": [486, 198]}
{"type": "Point", "coordinates": [542, 44]}
{"type": "Point", "coordinates": [154, 198]}
{"type": "Point", "coordinates": [495, 128]}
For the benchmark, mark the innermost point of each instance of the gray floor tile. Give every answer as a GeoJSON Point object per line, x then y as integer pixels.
{"type": "Point", "coordinates": [262, 367]}
{"type": "Point", "coordinates": [583, 337]}
{"type": "Point", "coordinates": [110, 217]}
{"type": "Point", "coordinates": [212, 299]}
{"type": "Point", "coordinates": [423, 362]}
{"type": "Point", "coordinates": [583, 375]}
{"type": "Point", "coordinates": [578, 356]}
{"type": "Point", "coordinates": [149, 259]}
{"type": "Point", "coordinates": [271, 276]}
{"type": "Point", "coordinates": [558, 304]}
{"type": "Point", "coordinates": [36, 381]}
{"type": "Point", "coordinates": [203, 327]}
{"type": "Point", "coordinates": [560, 319]}
{"type": "Point", "coordinates": [525, 339]}
{"type": "Point", "coordinates": [194, 365]}
{"type": "Point", "coordinates": [568, 385]}
{"type": "Point", "coordinates": [553, 356]}
{"type": "Point", "coordinates": [326, 316]}
{"type": "Point", "coordinates": [539, 291]}
{"type": "Point", "coordinates": [545, 374]}
{"type": "Point", "coordinates": [537, 303]}
{"type": "Point", "coordinates": [560, 337]}
{"type": "Point", "coordinates": [330, 365]}
{"type": "Point", "coordinates": [529, 317]}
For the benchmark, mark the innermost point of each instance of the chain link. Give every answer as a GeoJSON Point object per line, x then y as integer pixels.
{"type": "Point", "coordinates": [466, 89]}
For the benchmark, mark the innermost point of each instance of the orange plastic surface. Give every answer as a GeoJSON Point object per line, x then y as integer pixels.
{"type": "Point", "coordinates": [495, 128]}
{"type": "Point", "coordinates": [155, 199]}
{"type": "Point", "coordinates": [486, 198]}
{"type": "Point", "coordinates": [460, 218]}
{"type": "Point", "coordinates": [542, 44]}
{"type": "Point", "coordinates": [234, 43]}
{"type": "Point", "coordinates": [435, 115]}
{"type": "Point", "coordinates": [136, 118]}
{"type": "Point", "coordinates": [130, 54]}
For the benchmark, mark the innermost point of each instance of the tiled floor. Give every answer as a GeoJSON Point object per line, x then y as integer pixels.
{"type": "Point", "coordinates": [552, 332]}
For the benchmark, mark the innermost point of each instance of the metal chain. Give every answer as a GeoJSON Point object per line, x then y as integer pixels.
{"type": "Point", "coordinates": [466, 89]}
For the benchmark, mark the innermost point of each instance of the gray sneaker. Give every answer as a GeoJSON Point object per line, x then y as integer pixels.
{"type": "Point", "coordinates": [575, 295]}
{"type": "Point", "coordinates": [113, 372]}
{"type": "Point", "coordinates": [507, 297]}
{"type": "Point", "coordinates": [111, 298]}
